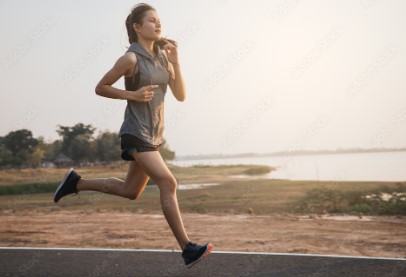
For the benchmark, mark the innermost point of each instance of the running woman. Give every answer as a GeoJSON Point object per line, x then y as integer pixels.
{"type": "Point", "coordinates": [149, 65]}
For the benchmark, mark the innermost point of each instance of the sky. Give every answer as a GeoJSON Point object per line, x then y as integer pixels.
{"type": "Point", "coordinates": [261, 76]}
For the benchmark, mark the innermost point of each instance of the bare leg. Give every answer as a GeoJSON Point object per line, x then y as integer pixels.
{"type": "Point", "coordinates": [134, 184]}
{"type": "Point", "coordinates": [155, 167]}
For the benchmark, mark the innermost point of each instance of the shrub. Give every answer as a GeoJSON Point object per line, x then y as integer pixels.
{"type": "Point", "coordinates": [380, 201]}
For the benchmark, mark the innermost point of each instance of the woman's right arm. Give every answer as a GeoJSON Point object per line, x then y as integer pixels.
{"type": "Point", "coordinates": [122, 66]}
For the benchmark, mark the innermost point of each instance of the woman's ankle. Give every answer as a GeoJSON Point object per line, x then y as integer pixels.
{"type": "Point", "coordinates": [79, 184]}
{"type": "Point", "coordinates": [184, 244]}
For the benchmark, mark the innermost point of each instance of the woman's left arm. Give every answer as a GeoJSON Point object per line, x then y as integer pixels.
{"type": "Point", "coordinates": [176, 82]}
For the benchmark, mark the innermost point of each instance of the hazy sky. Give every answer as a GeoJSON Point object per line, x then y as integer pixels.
{"type": "Point", "coordinates": [261, 76]}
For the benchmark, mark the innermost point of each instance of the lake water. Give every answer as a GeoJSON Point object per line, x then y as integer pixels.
{"type": "Point", "coordinates": [381, 166]}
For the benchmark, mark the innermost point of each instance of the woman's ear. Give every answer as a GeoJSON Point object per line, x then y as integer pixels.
{"type": "Point", "coordinates": [136, 27]}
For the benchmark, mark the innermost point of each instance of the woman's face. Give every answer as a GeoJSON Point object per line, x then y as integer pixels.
{"type": "Point", "coordinates": [151, 27]}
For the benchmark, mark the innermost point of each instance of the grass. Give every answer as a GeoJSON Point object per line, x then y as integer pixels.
{"type": "Point", "coordinates": [33, 189]}
{"type": "Point", "coordinates": [258, 170]}
{"type": "Point", "coordinates": [30, 181]}
{"type": "Point", "coordinates": [28, 188]}
{"type": "Point", "coordinates": [47, 175]}
{"type": "Point", "coordinates": [384, 200]}
{"type": "Point", "coordinates": [220, 173]}
{"type": "Point", "coordinates": [260, 197]}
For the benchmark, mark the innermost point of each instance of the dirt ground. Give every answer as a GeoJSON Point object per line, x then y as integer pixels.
{"type": "Point", "coordinates": [381, 236]}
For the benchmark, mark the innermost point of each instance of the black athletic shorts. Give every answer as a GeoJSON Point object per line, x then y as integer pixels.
{"type": "Point", "coordinates": [130, 144]}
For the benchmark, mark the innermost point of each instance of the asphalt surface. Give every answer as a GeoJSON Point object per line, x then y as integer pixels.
{"type": "Point", "coordinates": [113, 262]}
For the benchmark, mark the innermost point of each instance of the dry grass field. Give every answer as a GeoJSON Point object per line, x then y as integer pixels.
{"type": "Point", "coordinates": [240, 214]}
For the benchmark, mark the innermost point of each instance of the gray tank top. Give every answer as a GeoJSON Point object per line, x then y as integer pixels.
{"type": "Point", "coordinates": [145, 120]}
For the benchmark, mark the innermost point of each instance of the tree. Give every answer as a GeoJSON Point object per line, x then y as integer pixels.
{"type": "Point", "coordinates": [108, 147]}
{"type": "Point", "coordinates": [79, 149]}
{"type": "Point", "coordinates": [17, 147]}
{"type": "Point", "coordinates": [76, 141]}
{"type": "Point", "coordinates": [6, 157]}
{"type": "Point", "coordinates": [20, 140]}
{"type": "Point", "coordinates": [20, 148]}
{"type": "Point", "coordinates": [51, 150]}
{"type": "Point", "coordinates": [36, 157]}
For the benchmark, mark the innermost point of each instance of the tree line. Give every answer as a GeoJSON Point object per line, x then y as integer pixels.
{"type": "Point", "coordinates": [79, 143]}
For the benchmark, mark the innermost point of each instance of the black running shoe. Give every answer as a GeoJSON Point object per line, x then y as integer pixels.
{"type": "Point", "coordinates": [194, 253]}
{"type": "Point", "coordinates": [68, 185]}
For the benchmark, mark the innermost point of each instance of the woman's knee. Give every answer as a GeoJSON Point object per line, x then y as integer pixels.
{"type": "Point", "coordinates": [131, 196]}
{"type": "Point", "coordinates": [128, 193]}
{"type": "Point", "coordinates": [133, 190]}
{"type": "Point", "coordinates": [168, 185]}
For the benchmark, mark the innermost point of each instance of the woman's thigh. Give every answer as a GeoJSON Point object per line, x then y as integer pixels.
{"type": "Point", "coordinates": [136, 179]}
{"type": "Point", "coordinates": [156, 168]}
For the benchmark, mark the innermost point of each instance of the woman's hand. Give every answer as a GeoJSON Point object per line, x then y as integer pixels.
{"type": "Point", "coordinates": [143, 94]}
{"type": "Point", "coordinates": [171, 52]}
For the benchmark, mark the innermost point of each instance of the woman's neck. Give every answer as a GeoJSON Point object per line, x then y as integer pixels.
{"type": "Point", "coordinates": [148, 45]}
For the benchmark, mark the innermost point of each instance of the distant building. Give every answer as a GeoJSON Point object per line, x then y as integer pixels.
{"type": "Point", "coordinates": [63, 160]}
{"type": "Point", "coordinates": [48, 164]}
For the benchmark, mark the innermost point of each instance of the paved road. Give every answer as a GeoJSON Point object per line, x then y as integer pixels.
{"type": "Point", "coordinates": [112, 262]}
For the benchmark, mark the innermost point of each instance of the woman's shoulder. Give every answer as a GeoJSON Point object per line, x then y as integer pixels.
{"type": "Point", "coordinates": [130, 57]}
{"type": "Point", "coordinates": [129, 60]}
